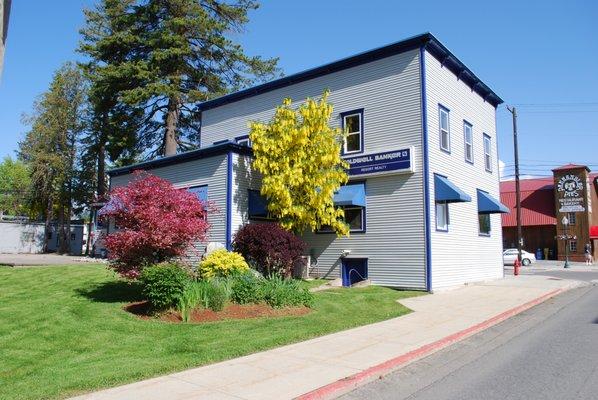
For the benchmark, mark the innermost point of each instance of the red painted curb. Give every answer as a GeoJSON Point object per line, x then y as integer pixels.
{"type": "Point", "coordinates": [346, 384]}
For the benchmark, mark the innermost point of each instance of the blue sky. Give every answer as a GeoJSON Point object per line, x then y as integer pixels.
{"type": "Point", "coordinates": [539, 55]}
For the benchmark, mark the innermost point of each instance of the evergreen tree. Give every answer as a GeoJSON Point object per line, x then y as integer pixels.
{"type": "Point", "coordinates": [168, 55]}
{"type": "Point", "coordinates": [50, 149]}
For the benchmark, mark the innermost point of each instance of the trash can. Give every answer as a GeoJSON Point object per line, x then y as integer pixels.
{"type": "Point", "coordinates": [546, 253]}
{"type": "Point", "coordinates": [539, 254]}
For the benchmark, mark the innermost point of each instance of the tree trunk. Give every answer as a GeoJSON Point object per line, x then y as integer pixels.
{"type": "Point", "coordinates": [48, 223]}
{"type": "Point", "coordinates": [101, 171]}
{"type": "Point", "coordinates": [61, 232]}
{"type": "Point", "coordinates": [172, 120]}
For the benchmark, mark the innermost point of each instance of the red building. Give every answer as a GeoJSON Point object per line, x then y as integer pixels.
{"type": "Point", "coordinates": [572, 191]}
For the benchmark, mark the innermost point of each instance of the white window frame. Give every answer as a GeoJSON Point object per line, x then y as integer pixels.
{"type": "Point", "coordinates": [443, 110]}
{"type": "Point", "coordinates": [444, 206]}
{"type": "Point", "coordinates": [487, 152]}
{"type": "Point", "coordinates": [480, 225]}
{"type": "Point", "coordinates": [359, 132]}
{"type": "Point", "coordinates": [468, 128]}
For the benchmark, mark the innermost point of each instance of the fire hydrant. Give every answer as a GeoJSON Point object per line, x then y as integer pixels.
{"type": "Point", "coordinates": [516, 266]}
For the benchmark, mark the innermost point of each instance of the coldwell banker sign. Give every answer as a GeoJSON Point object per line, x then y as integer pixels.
{"type": "Point", "coordinates": [389, 162]}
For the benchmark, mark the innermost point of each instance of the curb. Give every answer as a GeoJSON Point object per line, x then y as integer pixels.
{"type": "Point", "coordinates": [349, 383]}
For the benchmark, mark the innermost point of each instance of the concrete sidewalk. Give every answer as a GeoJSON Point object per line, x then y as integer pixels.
{"type": "Point", "coordinates": [48, 259]}
{"type": "Point", "coordinates": [331, 365]}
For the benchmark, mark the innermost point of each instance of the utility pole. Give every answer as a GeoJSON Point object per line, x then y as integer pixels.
{"type": "Point", "coordinates": [513, 111]}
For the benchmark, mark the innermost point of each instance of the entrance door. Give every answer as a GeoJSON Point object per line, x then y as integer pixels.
{"type": "Point", "coordinates": [354, 270]}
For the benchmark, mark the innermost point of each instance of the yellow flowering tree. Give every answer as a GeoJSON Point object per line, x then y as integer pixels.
{"type": "Point", "coordinates": [298, 155]}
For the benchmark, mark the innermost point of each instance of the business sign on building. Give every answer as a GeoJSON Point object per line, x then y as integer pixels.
{"type": "Point", "coordinates": [389, 162]}
{"type": "Point", "coordinates": [570, 193]}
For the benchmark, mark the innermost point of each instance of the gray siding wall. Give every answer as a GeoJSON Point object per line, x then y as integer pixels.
{"type": "Point", "coordinates": [208, 171]}
{"type": "Point", "coordinates": [461, 254]}
{"type": "Point", "coordinates": [389, 92]}
{"type": "Point", "coordinates": [21, 238]}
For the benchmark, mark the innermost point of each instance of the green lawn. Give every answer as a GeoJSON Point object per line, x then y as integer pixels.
{"type": "Point", "coordinates": [63, 331]}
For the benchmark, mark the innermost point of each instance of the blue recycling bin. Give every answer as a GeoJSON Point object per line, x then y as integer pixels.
{"type": "Point", "coordinates": [539, 254]}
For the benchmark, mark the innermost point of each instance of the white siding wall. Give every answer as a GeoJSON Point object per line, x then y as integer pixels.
{"type": "Point", "coordinates": [461, 254]}
{"type": "Point", "coordinates": [208, 171]}
{"type": "Point", "coordinates": [389, 92]}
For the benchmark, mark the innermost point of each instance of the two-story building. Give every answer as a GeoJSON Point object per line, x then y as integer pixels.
{"type": "Point", "coordinates": [422, 145]}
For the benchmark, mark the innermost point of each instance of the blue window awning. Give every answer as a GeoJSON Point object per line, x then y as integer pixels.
{"type": "Point", "coordinates": [350, 195]}
{"type": "Point", "coordinates": [489, 205]}
{"type": "Point", "coordinates": [258, 204]}
{"type": "Point", "coordinates": [445, 190]}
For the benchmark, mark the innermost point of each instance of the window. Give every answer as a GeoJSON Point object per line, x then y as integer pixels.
{"type": "Point", "coordinates": [488, 153]}
{"type": "Point", "coordinates": [354, 216]}
{"type": "Point", "coordinates": [243, 141]}
{"type": "Point", "coordinates": [572, 218]}
{"type": "Point", "coordinates": [445, 131]}
{"type": "Point", "coordinates": [202, 194]}
{"type": "Point", "coordinates": [484, 224]}
{"type": "Point", "coordinates": [442, 216]}
{"type": "Point", "coordinates": [257, 206]}
{"type": "Point", "coordinates": [468, 140]}
{"type": "Point", "coordinates": [353, 126]}
{"type": "Point", "coordinates": [573, 246]}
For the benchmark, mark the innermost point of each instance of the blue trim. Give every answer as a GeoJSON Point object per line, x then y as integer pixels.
{"type": "Point", "coordinates": [425, 169]}
{"type": "Point", "coordinates": [448, 117]}
{"type": "Point", "coordinates": [361, 130]}
{"type": "Point", "coordinates": [205, 152]}
{"type": "Point", "coordinates": [433, 45]}
{"type": "Point", "coordinates": [216, 143]}
{"type": "Point", "coordinates": [229, 198]}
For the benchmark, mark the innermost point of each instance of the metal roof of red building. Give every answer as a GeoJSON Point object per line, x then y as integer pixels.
{"type": "Point", "coordinates": [537, 201]}
{"type": "Point", "coordinates": [537, 207]}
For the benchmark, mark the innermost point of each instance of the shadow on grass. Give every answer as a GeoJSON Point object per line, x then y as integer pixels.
{"type": "Point", "coordinates": [113, 292]}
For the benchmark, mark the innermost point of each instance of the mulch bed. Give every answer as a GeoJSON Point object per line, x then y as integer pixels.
{"type": "Point", "coordinates": [233, 311]}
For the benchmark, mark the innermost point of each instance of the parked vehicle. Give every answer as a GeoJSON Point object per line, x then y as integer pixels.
{"type": "Point", "coordinates": [510, 255]}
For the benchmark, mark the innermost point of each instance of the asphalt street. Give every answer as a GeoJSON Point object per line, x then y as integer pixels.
{"type": "Point", "coordinates": [548, 352]}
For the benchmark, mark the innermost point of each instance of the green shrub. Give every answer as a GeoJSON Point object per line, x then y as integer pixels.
{"type": "Point", "coordinates": [217, 296]}
{"type": "Point", "coordinates": [207, 294]}
{"type": "Point", "coordinates": [163, 284]}
{"type": "Point", "coordinates": [246, 289]}
{"type": "Point", "coordinates": [279, 292]}
{"type": "Point", "coordinates": [222, 263]}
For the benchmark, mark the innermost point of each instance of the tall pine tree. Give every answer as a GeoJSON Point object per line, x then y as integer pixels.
{"type": "Point", "coordinates": [169, 55]}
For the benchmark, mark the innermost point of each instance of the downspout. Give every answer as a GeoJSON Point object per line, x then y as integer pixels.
{"type": "Point", "coordinates": [425, 168]}
{"type": "Point", "coordinates": [229, 199]}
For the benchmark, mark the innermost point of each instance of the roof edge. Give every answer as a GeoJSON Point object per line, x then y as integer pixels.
{"type": "Point", "coordinates": [427, 40]}
{"type": "Point", "coordinates": [197, 154]}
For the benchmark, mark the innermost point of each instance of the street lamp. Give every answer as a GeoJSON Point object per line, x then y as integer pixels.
{"type": "Point", "coordinates": [565, 222]}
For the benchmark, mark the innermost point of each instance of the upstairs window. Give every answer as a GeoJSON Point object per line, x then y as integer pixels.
{"type": "Point", "coordinates": [468, 140]}
{"type": "Point", "coordinates": [445, 132]}
{"type": "Point", "coordinates": [353, 126]}
{"type": "Point", "coordinates": [488, 153]}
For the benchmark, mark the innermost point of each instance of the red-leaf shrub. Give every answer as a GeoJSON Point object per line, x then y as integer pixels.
{"type": "Point", "coordinates": [269, 248]}
{"type": "Point", "coordinates": [155, 222]}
